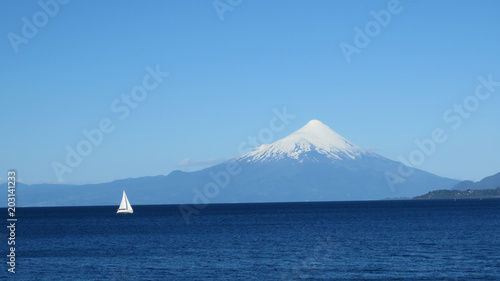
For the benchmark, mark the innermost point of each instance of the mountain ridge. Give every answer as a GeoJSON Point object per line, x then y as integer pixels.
{"type": "Point", "coordinates": [312, 164]}
{"type": "Point", "coordinates": [490, 182]}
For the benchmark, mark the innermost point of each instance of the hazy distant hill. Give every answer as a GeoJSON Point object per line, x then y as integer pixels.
{"type": "Point", "coordinates": [490, 182]}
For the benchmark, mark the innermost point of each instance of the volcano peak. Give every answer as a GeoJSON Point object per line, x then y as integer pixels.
{"type": "Point", "coordinates": [314, 136]}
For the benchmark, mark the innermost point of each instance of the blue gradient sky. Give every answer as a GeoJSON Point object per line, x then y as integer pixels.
{"type": "Point", "coordinates": [227, 76]}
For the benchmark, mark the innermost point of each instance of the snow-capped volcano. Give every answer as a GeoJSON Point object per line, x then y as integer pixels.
{"type": "Point", "coordinates": [312, 164]}
{"type": "Point", "coordinates": [306, 143]}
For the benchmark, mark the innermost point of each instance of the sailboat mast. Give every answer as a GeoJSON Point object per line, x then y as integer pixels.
{"type": "Point", "coordinates": [126, 200]}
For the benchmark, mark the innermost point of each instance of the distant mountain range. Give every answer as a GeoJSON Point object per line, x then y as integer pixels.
{"type": "Point", "coordinates": [488, 187]}
{"type": "Point", "coordinates": [312, 164]}
{"type": "Point", "coordinates": [490, 182]}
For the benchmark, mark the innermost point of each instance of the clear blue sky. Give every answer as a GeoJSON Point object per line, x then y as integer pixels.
{"type": "Point", "coordinates": [226, 77]}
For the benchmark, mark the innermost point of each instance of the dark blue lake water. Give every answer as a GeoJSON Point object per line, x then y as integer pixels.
{"type": "Point", "coordinates": [378, 240]}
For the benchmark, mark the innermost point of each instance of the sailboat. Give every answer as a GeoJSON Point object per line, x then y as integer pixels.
{"type": "Point", "coordinates": [125, 207]}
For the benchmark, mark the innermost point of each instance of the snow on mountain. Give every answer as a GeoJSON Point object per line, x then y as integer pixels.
{"type": "Point", "coordinates": [313, 137]}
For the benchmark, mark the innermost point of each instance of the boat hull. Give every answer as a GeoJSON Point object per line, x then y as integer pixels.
{"type": "Point", "coordinates": [124, 212]}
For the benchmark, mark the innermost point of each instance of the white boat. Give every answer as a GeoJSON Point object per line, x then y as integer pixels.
{"type": "Point", "coordinates": [125, 207]}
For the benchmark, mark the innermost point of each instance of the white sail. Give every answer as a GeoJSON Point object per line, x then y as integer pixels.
{"type": "Point", "coordinates": [125, 207]}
